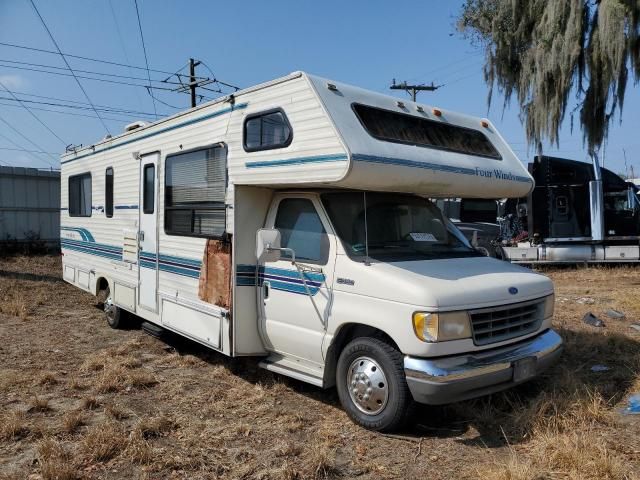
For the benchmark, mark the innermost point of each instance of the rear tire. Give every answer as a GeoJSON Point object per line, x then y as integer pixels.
{"type": "Point", "coordinates": [116, 317]}
{"type": "Point", "coordinates": [372, 386]}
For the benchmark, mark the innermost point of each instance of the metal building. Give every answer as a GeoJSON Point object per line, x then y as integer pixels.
{"type": "Point", "coordinates": [29, 207]}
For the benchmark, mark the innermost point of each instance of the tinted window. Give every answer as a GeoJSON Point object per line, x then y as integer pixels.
{"type": "Point", "coordinates": [266, 130]}
{"type": "Point", "coordinates": [108, 192]}
{"type": "Point", "coordinates": [195, 191]}
{"type": "Point", "coordinates": [301, 230]}
{"type": "Point", "coordinates": [402, 128]}
{"type": "Point", "coordinates": [80, 195]}
{"type": "Point", "coordinates": [393, 227]}
{"type": "Point", "coordinates": [148, 193]}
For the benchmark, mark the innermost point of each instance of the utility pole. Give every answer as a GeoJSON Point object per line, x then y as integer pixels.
{"type": "Point", "coordinates": [192, 80]}
{"type": "Point", "coordinates": [413, 89]}
{"type": "Point", "coordinates": [196, 82]}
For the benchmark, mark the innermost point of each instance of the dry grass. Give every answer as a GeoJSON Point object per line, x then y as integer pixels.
{"type": "Point", "coordinates": [90, 403]}
{"type": "Point", "coordinates": [39, 404]}
{"type": "Point", "coordinates": [150, 427]}
{"type": "Point", "coordinates": [56, 463]}
{"type": "Point", "coordinates": [577, 455]}
{"type": "Point", "coordinates": [212, 417]}
{"type": "Point", "coordinates": [13, 425]}
{"type": "Point", "coordinates": [47, 378]}
{"type": "Point", "coordinates": [105, 441]}
{"type": "Point", "coordinates": [115, 412]}
{"type": "Point", "coordinates": [138, 449]}
{"type": "Point", "coordinates": [73, 420]}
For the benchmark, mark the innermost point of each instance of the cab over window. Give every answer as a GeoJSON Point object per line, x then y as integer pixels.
{"type": "Point", "coordinates": [80, 195]}
{"type": "Point", "coordinates": [195, 191]}
{"type": "Point", "coordinates": [267, 130]}
{"type": "Point", "coordinates": [301, 230]}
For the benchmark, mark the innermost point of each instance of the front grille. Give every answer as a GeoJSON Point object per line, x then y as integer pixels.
{"type": "Point", "coordinates": [496, 324]}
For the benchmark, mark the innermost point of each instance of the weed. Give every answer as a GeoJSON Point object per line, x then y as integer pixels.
{"type": "Point", "coordinates": [55, 461]}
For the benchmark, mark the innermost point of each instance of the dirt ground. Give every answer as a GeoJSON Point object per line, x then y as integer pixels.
{"type": "Point", "coordinates": [80, 400]}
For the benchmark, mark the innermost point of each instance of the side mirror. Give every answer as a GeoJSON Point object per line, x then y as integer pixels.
{"type": "Point", "coordinates": [267, 245]}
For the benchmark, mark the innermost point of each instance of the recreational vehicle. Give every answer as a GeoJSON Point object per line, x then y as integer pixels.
{"type": "Point", "coordinates": [291, 221]}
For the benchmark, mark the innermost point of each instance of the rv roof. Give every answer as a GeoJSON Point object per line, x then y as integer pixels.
{"type": "Point", "coordinates": [239, 93]}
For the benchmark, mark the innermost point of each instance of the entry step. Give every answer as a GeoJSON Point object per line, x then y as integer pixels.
{"type": "Point", "coordinates": [152, 329]}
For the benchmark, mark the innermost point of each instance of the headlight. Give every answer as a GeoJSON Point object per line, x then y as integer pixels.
{"type": "Point", "coordinates": [440, 327]}
{"type": "Point", "coordinates": [549, 305]}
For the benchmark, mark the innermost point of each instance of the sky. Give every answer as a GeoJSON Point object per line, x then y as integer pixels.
{"type": "Point", "coordinates": [241, 42]}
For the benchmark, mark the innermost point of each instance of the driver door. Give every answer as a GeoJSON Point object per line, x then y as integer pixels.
{"type": "Point", "coordinates": [294, 316]}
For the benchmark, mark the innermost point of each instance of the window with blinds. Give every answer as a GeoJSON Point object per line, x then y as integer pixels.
{"type": "Point", "coordinates": [195, 191]}
{"type": "Point", "coordinates": [80, 195]}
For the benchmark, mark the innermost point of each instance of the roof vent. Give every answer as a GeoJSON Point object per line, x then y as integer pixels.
{"type": "Point", "coordinates": [135, 125]}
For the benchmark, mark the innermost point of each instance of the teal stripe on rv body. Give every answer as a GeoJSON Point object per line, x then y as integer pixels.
{"type": "Point", "coordinates": [283, 279]}
{"type": "Point", "coordinates": [297, 161]}
{"type": "Point", "coordinates": [83, 232]}
{"type": "Point", "coordinates": [425, 165]}
{"type": "Point", "coordinates": [239, 106]}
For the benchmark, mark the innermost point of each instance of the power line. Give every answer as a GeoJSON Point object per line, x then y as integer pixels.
{"type": "Point", "coordinates": [113, 119]}
{"type": "Point", "coordinates": [80, 57]}
{"type": "Point", "coordinates": [25, 150]}
{"type": "Point", "coordinates": [32, 114]}
{"type": "Point", "coordinates": [146, 61]}
{"type": "Point", "coordinates": [38, 147]}
{"type": "Point", "coordinates": [90, 72]}
{"type": "Point", "coordinates": [122, 45]}
{"type": "Point", "coordinates": [106, 80]}
{"type": "Point", "coordinates": [68, 66]}
{"type": "Point", "coordinates": [81, 107]}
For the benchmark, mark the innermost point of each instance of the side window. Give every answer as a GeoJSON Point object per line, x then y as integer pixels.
{"type": "Point", "coordinates": [148, 192]}
{"type": "Point", "coordinates": [267, 130]}
{"type": "Point", "coordinates": [301, 230]}
{"type": "Point", "coordinates": [108, 192]}
{"type": "Point", "coordinates": [195, 192]}
{"type": "Point", "coordinates": [80, 195]}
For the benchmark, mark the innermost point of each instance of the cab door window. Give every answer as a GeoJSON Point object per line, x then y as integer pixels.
{"type": "Point", "coordinates": [301, 230]}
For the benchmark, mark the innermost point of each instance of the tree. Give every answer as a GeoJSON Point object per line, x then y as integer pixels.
{"type": "Point", "coordinates": [543, 50]}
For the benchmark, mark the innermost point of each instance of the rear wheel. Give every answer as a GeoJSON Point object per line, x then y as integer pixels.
{"type": "Point", "coordinates": [116, 317]}
{"type": "Point", "coordinates": [371, 384]}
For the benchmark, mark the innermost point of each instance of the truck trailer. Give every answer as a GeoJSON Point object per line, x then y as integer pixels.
{"type": "Point", "coordinates": [577, 213]}
{"type": "Point", "coordinates": [290, 221]}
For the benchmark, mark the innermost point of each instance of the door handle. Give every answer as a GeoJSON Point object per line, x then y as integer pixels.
{"type": "Point", "coordinates": [266, 286]}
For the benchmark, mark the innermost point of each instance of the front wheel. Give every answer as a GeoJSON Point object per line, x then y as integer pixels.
{"type": "Point", "coordinates": [372, 386]}
{"type": "Point", "coordinates": [116, 317]}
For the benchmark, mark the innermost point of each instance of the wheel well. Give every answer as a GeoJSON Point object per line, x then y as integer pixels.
{"type": "Point", "coordinates": [101, 284]}
{"type": "Point", "coordinates": [344, 335]}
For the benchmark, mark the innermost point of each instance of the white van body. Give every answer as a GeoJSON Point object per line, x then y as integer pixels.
{"type": "Point", "coordinates": [301, 315]}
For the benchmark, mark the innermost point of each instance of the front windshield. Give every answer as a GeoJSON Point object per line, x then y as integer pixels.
{"type": "Point", "coordinates": [399, 227]}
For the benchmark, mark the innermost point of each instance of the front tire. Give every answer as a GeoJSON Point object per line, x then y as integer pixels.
{"type": "Point", "coordinates": [371, 385]}
{"type": "Point", "coordinates": [116, 317]}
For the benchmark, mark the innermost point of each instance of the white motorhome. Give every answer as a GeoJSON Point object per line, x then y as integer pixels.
{"type": "Point", "coordinates": [290, 221]}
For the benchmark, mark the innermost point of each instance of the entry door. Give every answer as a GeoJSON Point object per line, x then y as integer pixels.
{"type": "Point", "coordinates": [148, 233]}
{"type": "Point", "coordinates": [294, 319]}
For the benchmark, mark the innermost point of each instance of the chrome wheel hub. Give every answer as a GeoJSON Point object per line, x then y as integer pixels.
{"type": "Point", "coordinates": [367, 385]}
{"type": "Point", "coordinates": [109, 309]}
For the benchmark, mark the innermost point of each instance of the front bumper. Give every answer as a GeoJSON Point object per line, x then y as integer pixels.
{"type": "Point", "coordinates": [450, 379]}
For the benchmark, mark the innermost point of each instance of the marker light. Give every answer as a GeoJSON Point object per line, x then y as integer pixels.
{"type": "Point", "coordinates": [549, 305]}
{"type": "Point", "coordinates": [484, 123]}
{"type": "Point", "coordinates": [437, 112]}
{"type": "Point", "coordinates": [400, 104]}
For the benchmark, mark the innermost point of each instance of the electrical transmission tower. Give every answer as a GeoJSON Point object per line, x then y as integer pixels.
{"type": "Point", "coordinates": [413, 89]}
